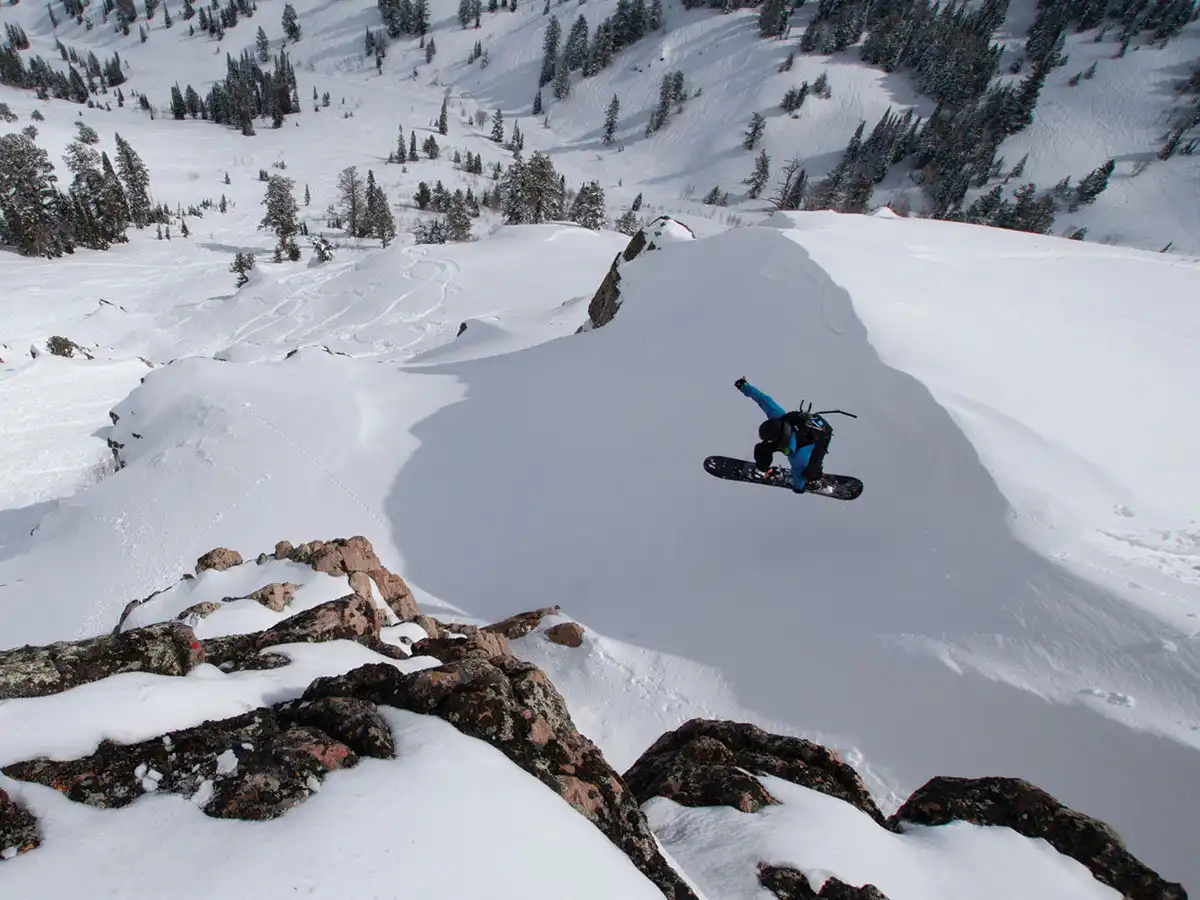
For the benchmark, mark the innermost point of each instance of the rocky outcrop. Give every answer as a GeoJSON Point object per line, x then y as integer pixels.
{"type": "Point", "coordinates": [349, 619]}
{"type": "Point", "coordinates": [18, 828]}
{"type": "Point", "coordinates": [1028, 810]}
{"type": "Point", "coordinates": [350, 556]}
{"type": "Point", "coordinates": [276, 596]}
{"type": "Point", "coordinates": [449, 647]}
{"type": "Point", "coordinates": [169, 648]}
{"type": "Point", "coordinates": [513, 706]}
{"type": "Point", "coordinates": [521, 624]}
{"type": "Point", "coordinates": [789, 884]}
{"type": "Point", "coordinates": [607, 299]}
{"type": "Point", "coordinates": [566, 634]}
{"type": "Point", "coordinates": [218, 560]}
{"type": "Point", "coordinates": [254, 766]}
{"type": "Point", "coordinates": [713, 763]}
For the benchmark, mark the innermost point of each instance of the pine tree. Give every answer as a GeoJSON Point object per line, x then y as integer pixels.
{"type": "Point", "coordinates": [610, 119]}
{"type": "Point", "coordinates": [291, 27]}
{"type": "Point", "coordinates": [307, 196]}
{"type": "Point", "coordinates": [760, 176]}
{"type": "Point", "coordinates": [754, 132]}
{"type": "Point", "coordinates": [498, 127]}
{"type": "Point", "coordinates": [241, 266]}
{"type": "Point", "coordinates": [513, 192]}
{"type": "Point", "coordinates": [627, 223]}
{"type": "Point", "coordinates": [575, 50]}
{"type": "Point", "coordinates": [656, 15]}
{"type": "Point", "coordinates": [34, 216]}
{"type": "Point", "coordinates": [412, 147]}
{"type": "Point", "coordinates": [537, 103]}
{"type": "Point", "coordinates": [262, 45]}
{"type": "Point", "coordinates": [430, 146]}
{"type": "Point", "coordinates": [1092, 185]}
{"type": "Point", "coordinates": [458, 218]}
{"type": "Point", "coordinates": [136, 181]}
{"type": "Point", "coordinates": [550, 51]}
{"type": "Point", "coordinates": [352, 200]}
{"type": "Point", "coordinates": [562, 80]}
{"type": "Point", "coordinates": [380, 222]}
{"type": "Point", "coordinates": [444, 116]}
{"type": "Point", "coordinates": [423, 196]}
{"type": "Point", "coordinates": [588, 208]}
{"type": "Point", "coordinates": [281, 209]}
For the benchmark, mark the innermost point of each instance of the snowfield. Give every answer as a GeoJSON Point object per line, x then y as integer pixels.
{"type": "Point", "coordinates": [1016, 592]}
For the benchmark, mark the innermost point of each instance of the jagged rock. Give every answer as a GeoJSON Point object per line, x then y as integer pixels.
{"type": "Point", "coordinates": [431, 625]}
{"type": "Point", "coordinates": [350, 618]}
{"type": "Point", "coordinates": [568, 634]}
{"type": "Point", "coordinates": [219, 560]}
{"type": "Point", "coordinates": [448, 648]}
{"type": "Point", "coordinates": [199, 610]}
{"type": "Point", "coordinates": [513, 706]}
{"type": "Point", "coordinates": [167, 648]}
{"type": "Point", "coordinates": [521, 624]}
{"type": "Point", "coordinates": [275, 596]}
{"type": "Point", "coordinates": [711, 763]}
{"type": "Point", "coordinates": [283, 550]}
{"type": "Point", "coordinates": [789, 884]}
{"type": "Point", "coordinates": [607, 299]}
{"type": "Point", "coordinates": [61, 346]}
{"type": "Point", "coordinates": [18, 828]}
{"type": "Point", "coordinates": [345, 556]}
{"type": "Point", "coordinates": [254, 766]}
{"type": "Point", "coordinates": [1028, 810]}
{"type": "Point", "coordinates": [356, 723]}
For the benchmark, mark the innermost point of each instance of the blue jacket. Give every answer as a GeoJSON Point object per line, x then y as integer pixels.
{"type": "Point", "coordinates": [797, 456]}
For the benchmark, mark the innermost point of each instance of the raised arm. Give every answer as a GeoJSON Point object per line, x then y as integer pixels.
{"type": "Point", "coordinates": [770, 408]}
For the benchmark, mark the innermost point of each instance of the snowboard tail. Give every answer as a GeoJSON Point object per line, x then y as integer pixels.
{"type": "Point", "coordinates": [839, 487]}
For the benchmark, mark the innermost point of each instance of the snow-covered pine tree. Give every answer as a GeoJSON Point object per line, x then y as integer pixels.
{"type": "Point", "coordinates": [412, 147]}
{"type": "Point", "coordinates": [760, 176]}
{"type": "Point", "coordinates": [263, 46]}
{"type": "Point", "coordinates": [550, 51]}
{"type": "Point", "coordinates": [537, 103]}
{"type": "Point", "coordinates": [380, 222]}
{"type": "Point", "coordinates": [575, 51]}
{"type": "Point", "coordinates": [136, 181]}
{"type": "Point", "coordinates": [498, 127]}
{"type": "Point", "coordinates": [281, 209]}
{"type": "Point", "coordinates": [754, 131]}
{"type": "Point", "coordinates": [458, 218]}
{"type": "Point", "coordinates": [444, 116]}
{"type": "Point", "coordinates": [430, 146]}
{"type": "Point", "coordinates": [588, 208]}
{"type": "Point", "coordinates": [291, 25]}
{"type": "Point", "coordinates": [610, 119]}
{"type": "Point", "coordinates": [562, 80]}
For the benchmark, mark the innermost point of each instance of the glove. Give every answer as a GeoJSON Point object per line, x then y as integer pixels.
{"type": "Point", "coordinates": [740, 383]}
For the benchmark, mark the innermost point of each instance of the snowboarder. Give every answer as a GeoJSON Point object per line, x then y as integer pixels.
{"type": "Point", "coordinates": [803, 437]}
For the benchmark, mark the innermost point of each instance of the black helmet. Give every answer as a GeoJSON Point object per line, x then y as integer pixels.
{"type": "Point", "coordinates": [775, 432]}
{"type": "Point", "coordinates": [762, 456]}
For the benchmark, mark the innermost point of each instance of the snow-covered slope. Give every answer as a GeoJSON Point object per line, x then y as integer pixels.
{"type": "Point", "coordinates": [915, 626]}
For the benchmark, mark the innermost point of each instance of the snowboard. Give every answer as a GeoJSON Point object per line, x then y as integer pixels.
{"type": "Point", "coordinates": [839, 487]}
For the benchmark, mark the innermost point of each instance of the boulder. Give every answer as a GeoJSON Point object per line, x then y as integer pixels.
{"type": "Point", "coordinates": [568, 634]}
{"type": "Point", "coordinates": [521, 624]}
{"type": "Point", "coordinates": [346, 556]}
{"type": "Point", "coordinates": [453, 648]}
{"type": "Point", "coordinates": [18, 828]}
{"type": "Point", "coordinates": [167, 648]}
{"type": "Point", "coordinates": [607, 299]}
{"type": "Point", "coordinates": [790, 884]}
{"type": "Point", "coordinates": [254, 766]}
{"type": "Point", "coordinates": [219, 560]}
{"type": "Point", "coordinates": [513, 706]}
{"type": "Point", "coordinates": [712, 763]}
{"type": "Point", "coordinates": [1028, 810]}
{"type": "Point", "coordinates": [275, 596]}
